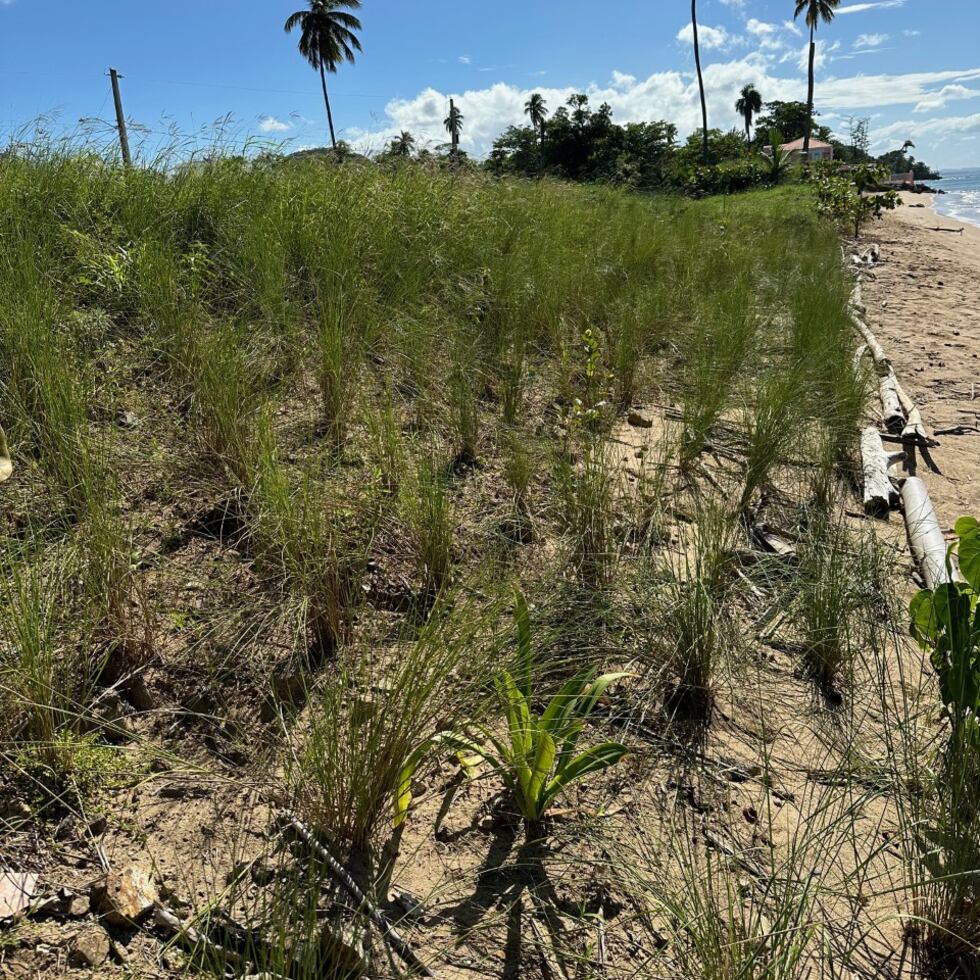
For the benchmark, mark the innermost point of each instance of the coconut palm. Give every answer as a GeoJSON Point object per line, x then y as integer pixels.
{"type": "Point", "coordinates": [816, 11]}
{"type": "Point", "coordinates": [536, 109]}
{"type": "Point", "coordinates": [454, 125]}
{"type": "Point", "coordinates": [697, 65]}
{"type": "Point", "coordinates": [327, 40]}
{"type": "Point", "coordinates": [403, 144]}
{"type": "Point", "coordinates": [747, 105]}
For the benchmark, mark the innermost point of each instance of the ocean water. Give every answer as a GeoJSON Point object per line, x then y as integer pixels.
{"type": "Point", "coordinates": [962, 197]}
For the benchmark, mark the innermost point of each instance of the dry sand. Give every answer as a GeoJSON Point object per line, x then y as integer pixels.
{"type": "Point", "coordinates": [924, 306]}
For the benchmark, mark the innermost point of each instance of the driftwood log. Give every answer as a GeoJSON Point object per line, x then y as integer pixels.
{"type": "Point", "coordinates": [880, 494]}
{"type": "Point", "coordinates": [925, 536]}
{"type": "Point", "coordinates": [891, 403]}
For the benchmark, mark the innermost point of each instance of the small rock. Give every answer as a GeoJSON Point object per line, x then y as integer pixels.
{"type": "Point", "coordinates": [124, 896]}
{"type": "Point", "coordinates": [639, 421]}
{"type": "Point", "coordinates": [128, 420]}
{"type": "Point", "coordinates": [91, 946]}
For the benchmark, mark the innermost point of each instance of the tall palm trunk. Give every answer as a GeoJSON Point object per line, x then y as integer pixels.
{"type": "Point", "coordinates": [809, 101]}
{"type": "Point", "coordinates": [326, 100]}
{"type": "Point", "coordinates": [697, 65]}
{"type": "Point", "coordinates": [748, 134]}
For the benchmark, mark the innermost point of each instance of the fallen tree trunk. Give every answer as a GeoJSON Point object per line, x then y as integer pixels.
{"type": "Point", "coordinates": [880, 494]}
{"type": "Point", "coordinates": [925, 536]}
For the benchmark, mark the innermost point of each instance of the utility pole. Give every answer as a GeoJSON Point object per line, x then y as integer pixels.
{"type": "Point", "coordinates": [120, 117]}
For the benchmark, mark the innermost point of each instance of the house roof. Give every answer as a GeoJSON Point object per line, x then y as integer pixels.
{"type": "Point", "coordinates": [815, 144]}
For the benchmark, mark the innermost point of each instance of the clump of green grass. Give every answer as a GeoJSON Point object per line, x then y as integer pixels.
{"type": "Point", "coordinates": [338, 364]}
{"type": "Point", "coordinates": [368, 720]}
{"type": "Point", "coordinates": [316, 549]}
{"type": "Point", "coordinates": [386, 442]}
{"type": "Point", "coordinates": [585, 497]}
{"type": "Point", "coordinates": [772, 427]}
{"type": "Point", "coordinates": [833, 575]}
{"type": "Point", "coordinates": [697, 631]}
{"type": "Point", "coordinates": [427, 512]}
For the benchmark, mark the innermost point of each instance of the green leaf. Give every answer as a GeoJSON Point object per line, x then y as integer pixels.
{"type": "Point", "coordinates": [522, 618]}
{"type": "Point", "coordinates": [967, 526]}
{"type": "Point", "coordinates": [598, 688]}
{"type": "Point", "coordinates": [968, 553]}
{"type": "Point", "coordinates": [555, 716]}
{"type": "Point", "coordinates": [403, 789]}
{"type": "Point", "coordinates": [518, 716]}
{"type": "Point", "coordinates": [544, 759]}
{"type": "Point", "coordinates": [925, 627]}
{"type": "Point", "coordinates": [592, 760]}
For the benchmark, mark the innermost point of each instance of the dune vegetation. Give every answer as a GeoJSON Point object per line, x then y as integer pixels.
{"type": "Point", "coordinates": [497, 534]}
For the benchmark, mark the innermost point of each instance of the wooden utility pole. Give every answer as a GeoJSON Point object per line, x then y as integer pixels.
{"type": "Point", "coordinates": [120, 117]}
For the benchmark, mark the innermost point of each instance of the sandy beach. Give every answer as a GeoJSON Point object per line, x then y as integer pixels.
{"type": "Point", "coordinates": [924, 306]}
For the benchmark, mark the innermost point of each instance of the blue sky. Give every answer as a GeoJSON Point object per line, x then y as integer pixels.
{"type": "Point", "coordinates": [912, 66]}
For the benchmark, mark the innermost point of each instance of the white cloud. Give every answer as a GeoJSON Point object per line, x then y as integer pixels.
{"type": "Point", "coordinates": [269, 124]}
{"type": "Point", "coordinates": [922, 130]}
{"type": "Point", "coordinates": [860, 8]}
{"type": "Point", "coordinates": [708, 37]}
{"type": "Point", "coordinates": [870, 40]}
{"type": "Point", "coordinates": [909, 33]}
{"type": "Point", "coordinates": [464, 59]}
{"type": "Point", "coordinates": [759, 28]}
{"type": "Point", "coordinates": [948, 93]}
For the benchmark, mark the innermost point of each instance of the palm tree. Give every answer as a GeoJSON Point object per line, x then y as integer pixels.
{"type": "Point", "coordinates": [403, 144]}
{"type": "Point", "coordinates": [327, 40]}
{"type": "Point", "coordinates": [454, 125]}
{"type": "Point", "coordinates": [747, 105]}
{"type": "Point", "coordinates": [536, 109]}
{"type": "Point", "coordinates": [816, 11]}
{"type": "Point", "coordinates": [697, 65]}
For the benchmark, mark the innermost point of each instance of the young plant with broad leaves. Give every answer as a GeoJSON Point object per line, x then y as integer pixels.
{"type": "Point", "coordinates": [538, 757]}
{"type": "Point", "coordinates": [946, 623]}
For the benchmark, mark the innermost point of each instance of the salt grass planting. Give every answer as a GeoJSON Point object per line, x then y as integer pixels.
{"type": "Point", "coordinates": [286, 438]}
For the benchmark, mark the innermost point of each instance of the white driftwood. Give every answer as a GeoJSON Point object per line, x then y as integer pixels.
{"type": "Point", "coordinates": [925, 536]}
{"type": "Point", "coordinates": [880, 494]}
{"type": "Point", "coordinates": [914, 426]}
{"type": "Point", "coordinates": [891, 404]}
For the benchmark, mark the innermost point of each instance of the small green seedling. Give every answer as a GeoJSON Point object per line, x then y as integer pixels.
{"type": "Point", "coordinates": [537, 757]}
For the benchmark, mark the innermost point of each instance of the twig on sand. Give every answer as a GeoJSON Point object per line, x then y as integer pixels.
{"type": "Point", "coordinates": [388, 932]}
{"type": "Point", "coordinates": [185, 933]}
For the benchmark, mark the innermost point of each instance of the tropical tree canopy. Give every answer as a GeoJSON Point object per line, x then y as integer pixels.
{"type": "Point", "coordinates": [816, 11]}
{"type": "Point", "coordinates": [454, 121]}
{"type": "Point", "coordinates": [403, 144]}
{"type": "Point", "coordinates": [748, 104]}
{"type": "Point", "coordinates": [327, 37]}
{"type": "Point", "coordinates": [536, 109]}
